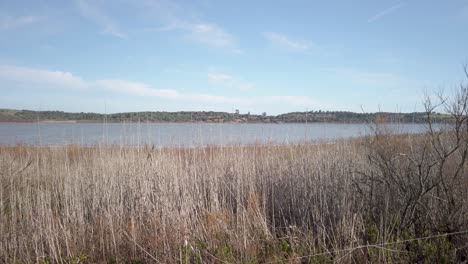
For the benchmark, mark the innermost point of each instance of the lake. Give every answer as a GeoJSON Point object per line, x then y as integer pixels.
{"type": "Point", "coordinates": [182, 134]}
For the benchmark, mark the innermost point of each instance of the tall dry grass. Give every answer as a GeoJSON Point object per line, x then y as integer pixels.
{"type": "Point", "coordinates": [234, 204]}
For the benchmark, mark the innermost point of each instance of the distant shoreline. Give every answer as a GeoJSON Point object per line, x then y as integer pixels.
{"type": "Point", "coordinates": [339, 117]}
{"type": "Point", "coordinates": [186, 122]}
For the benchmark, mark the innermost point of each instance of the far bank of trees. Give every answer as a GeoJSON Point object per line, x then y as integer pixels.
{"type": "Point", "coordinates": [219, 117]}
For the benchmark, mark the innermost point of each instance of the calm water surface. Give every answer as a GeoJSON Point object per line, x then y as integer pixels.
{"type": "Point", "coordinates": [182, 134]}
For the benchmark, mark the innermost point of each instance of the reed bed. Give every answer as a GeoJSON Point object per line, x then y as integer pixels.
{"type": "Point", "coordinates": [304, 203]}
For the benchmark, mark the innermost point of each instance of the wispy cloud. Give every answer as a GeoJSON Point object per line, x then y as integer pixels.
{"type": "Point", "coordinates": [93, 13]}
{"type": "Point", "coordinates": [229, 81]}
{"type": "Point", "coordinates": [178, 18]}
{"type": "Point", "coordinates": [41, 78]}
{"type": "Point", "coordinates": [211, 35]}
{"type": "Point", "coordinates": [207, 34]}
{"type": "Point", "coordinates": [135, 88]}
{"type": "Point", "coordinates": [34, 78]}
{"type": "Point", "coordinates": [144, 90]}
{"type": "Point", "coordinates": [10, 23]}
{"type": "Point", "coordinates": [385, 12]}
{"type": "Point", "coordinates": [284, 41]}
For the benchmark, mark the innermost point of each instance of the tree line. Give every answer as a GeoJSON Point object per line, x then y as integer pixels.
{"type": "Point", "coordinates": [9, 115]}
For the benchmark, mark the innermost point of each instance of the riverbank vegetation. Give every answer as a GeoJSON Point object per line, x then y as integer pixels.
{"type": "Point", "coordinates": [348, 202]}
{"type": "Point", "coordinates": [386, 198]}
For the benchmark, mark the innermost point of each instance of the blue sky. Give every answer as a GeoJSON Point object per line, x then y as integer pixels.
{"type": "Point", "coordinates": [272, 56]}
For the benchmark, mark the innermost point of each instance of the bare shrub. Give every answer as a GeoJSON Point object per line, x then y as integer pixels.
{"type": "Point", "coordinates": [416, 184]}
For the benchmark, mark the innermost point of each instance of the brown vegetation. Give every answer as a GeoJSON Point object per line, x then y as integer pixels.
{"type": "Point", "coordinates": [235, 204]}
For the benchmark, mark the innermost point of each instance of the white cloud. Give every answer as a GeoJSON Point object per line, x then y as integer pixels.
{"type": "Point", "coordinates": [93, 13]}
{"type": "Point", "coordinates": [211, 35]}
{"type": "Point", "coordinates": [10, 23]}
{"type": "Point", "coordinates": [40, 77]}
{"type": "Point", "coordinates": [135, 88]}
{"type": "Point", "coordinates": [229, 81]}
{"type": "Point", "coordinates": [207, 34]}
{"type": "Point", "coordinates": [385, 12]}
{"type": "Point", "coordinates": [144, 90]}
{"type": "Point", "coordinates": [286, 42]}
{"type": "Point", "coordinates": [220, 77]}
{"type": "Point", "coordinates": [174, 17]}
{"type": "Point", "coordinates": [34, 78]}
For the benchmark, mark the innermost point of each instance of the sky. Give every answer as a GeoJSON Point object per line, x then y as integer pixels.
{"type": "Point", "coordinates": [259, 56]}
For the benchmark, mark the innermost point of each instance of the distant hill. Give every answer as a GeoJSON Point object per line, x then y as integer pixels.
{"type": "Point", "coordinates": [10, 115]}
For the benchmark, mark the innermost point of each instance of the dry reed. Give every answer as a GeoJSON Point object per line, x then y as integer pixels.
{"type": "Point", "coordinates": [234, 204]}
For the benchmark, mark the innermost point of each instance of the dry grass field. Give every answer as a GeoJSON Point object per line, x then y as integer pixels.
{"type": "Point", "coordinates": [387, 199]}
